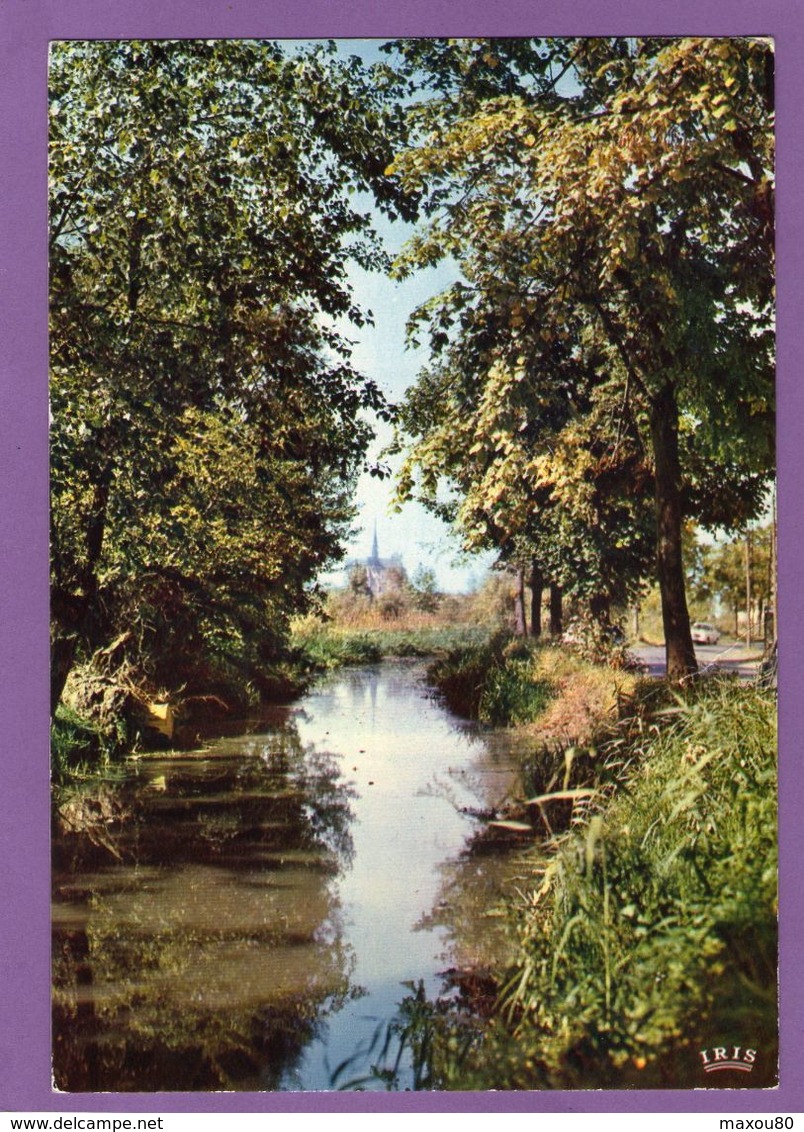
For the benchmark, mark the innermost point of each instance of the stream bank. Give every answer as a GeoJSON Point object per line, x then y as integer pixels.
{"type": "Point", "coordinates": [644, 914]}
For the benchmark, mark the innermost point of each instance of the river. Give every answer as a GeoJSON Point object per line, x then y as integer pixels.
{"type": "Point", "coordinates": [250, 915]}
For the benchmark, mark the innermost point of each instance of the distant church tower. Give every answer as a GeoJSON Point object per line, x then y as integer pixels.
{"type": "Point", "coordinates": [375, 567]}
{"type": "Point", "coordinates": [383, 575]}
{"type": "Point", "coordinates": [374, 559]}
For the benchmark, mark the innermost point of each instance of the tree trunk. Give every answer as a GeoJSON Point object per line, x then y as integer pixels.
{"type": "Point", "coordinates": [62, 657]}
{"type": "Point", "coordinates": [536, 591]}
{"type": "Point", "coordinates": [679, 651]}
{"type": "Point", "coordinates": [748, 589]}
{"type": "Point", "coordinates": [520, 623]}
{"type": "Point", "coordinates": [556, 611]}
{"type": "Point", "coordinates": [599, 607]}
{"type": "Point", "coordinates": [74, 615]}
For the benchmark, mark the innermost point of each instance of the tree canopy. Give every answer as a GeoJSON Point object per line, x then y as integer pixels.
{"type": "Point", "coordinates": [601, 371]}
{"type": "Point", "coordinates": [207, 422]}
{"type": "Point", "coordinates": [609, 204]}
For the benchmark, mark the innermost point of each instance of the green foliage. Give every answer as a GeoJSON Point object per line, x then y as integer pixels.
{"type": "Point", "coordinates": [328, 650]}
{"type": "Point", "coordinates": [511, 695]}
{"type": "Point", "coordinates": [491, 682]}
{"type": "Point", "coordinates": [654, 926]}
{"type": "Point", "coordinates": [420, 1049]}
{"type": "Point", "coordinates": [461, 674]}
{"type": "Point", "coordinates": [726, 568]}
{"type": "Point", "coordinates": [79, 746]}
{"type": "Point", "coordinates": [609, 341]}
{"type": "Point", "coordinates": [207, 421]}
{"type": "Point", "coordinates": [332, 646]}
{"type": "Point", "coordinates": [598, 642]}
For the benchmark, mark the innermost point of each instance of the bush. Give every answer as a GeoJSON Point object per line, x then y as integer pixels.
{"type": "Point", "coordinates": [493, 682]}
{"type": "Point", "coordinates": [599, 642]}
{"type": "Point", "coordinates": [78, 746]}
{"type": "Point", "coordinates": [460, 676]}
{"type": "Point", "coordinates": [511, 695]}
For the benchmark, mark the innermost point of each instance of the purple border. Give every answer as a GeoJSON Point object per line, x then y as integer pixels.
{"type": "Point", "coordinates": [27, 26]}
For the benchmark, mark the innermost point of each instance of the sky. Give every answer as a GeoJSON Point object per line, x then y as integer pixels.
{"type": "Point", "coordinates": [380, 352]}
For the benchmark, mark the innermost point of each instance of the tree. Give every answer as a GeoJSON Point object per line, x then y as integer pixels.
{"type": "Point", "coordinates": [424, 586]}
{"type": "Point", "coordinates": [202, 222]}
{"type": "Point", "coordinates": [610, 206]}
{"type": "Point", "coordinates": [738, 573]}
{"type": "Point", "coordinates": [547, 476]}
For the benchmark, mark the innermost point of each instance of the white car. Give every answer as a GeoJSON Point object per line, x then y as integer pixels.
{"type": "Point", "coordinates": [704, 634]}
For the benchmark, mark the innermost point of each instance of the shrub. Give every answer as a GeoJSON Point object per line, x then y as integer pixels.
{"type": "Point", "coordinates": [78, 745]}
{"type": "Point", "coordinates": [493, 682]}
{"type": "Point", "coordinates": [511, 695]}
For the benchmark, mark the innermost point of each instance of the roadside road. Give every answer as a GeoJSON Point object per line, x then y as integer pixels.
{"type": "Point", "coordinates": [724, 657]}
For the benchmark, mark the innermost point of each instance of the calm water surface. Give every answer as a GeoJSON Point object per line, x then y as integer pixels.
{"type": "Point", "coordinates": [251, 915]}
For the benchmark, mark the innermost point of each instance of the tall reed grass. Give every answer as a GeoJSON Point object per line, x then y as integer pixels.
{"type": "Point", "coordinates": [652, 933]}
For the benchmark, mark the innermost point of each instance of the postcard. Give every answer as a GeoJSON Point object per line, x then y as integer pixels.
{"type": "Point", "coordinates": [402, 525]}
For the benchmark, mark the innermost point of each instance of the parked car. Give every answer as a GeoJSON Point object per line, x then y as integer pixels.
{"type": "Point", "coordinates": [704, 634]}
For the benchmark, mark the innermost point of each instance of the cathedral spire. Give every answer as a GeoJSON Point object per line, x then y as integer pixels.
{"type": "Point", "coordinates": [375, 550]}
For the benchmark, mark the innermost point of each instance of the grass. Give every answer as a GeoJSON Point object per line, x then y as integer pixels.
{"type": "Point", "coordinates": [588, 697]}
{"type": "Point", "coordinates": [325, 650]}
{"type": "Point", "coordinates": [333, 646]}
{"type": "Point", "coordinates": [511, 695]}
{"type": "Point", "coordinates": [508, 682]}
{"type": "Point", "coordinates": [652, 933]}
{"type": "Point", "coordinates": [79, 747]}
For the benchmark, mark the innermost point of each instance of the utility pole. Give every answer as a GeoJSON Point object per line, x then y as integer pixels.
{"type": "Point", "coordinates": [747, 588]}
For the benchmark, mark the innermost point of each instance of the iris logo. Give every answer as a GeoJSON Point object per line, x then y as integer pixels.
{"type": "Point", "coordinates": [723, 1058]}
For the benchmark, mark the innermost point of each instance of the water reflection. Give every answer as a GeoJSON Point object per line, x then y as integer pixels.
{"type": "Point", "coordinates": [250, 916]}
{"type": "Point", "coordinates": [198, 943]}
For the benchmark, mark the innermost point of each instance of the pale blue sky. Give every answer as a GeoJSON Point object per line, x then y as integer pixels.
{"type": "Point", "coordinates": [381, 353]}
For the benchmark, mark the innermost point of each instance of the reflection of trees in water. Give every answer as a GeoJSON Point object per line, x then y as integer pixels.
{"type": "Point", "coordinates": [469, 908]}
{"type": "Point", "coordinates": [136, 1026]}
{"type": "Point", "coordinates": [213, 945]}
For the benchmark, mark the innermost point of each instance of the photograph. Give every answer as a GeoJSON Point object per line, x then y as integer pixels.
{"type": "Point", "coordinates": [412, 523]}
